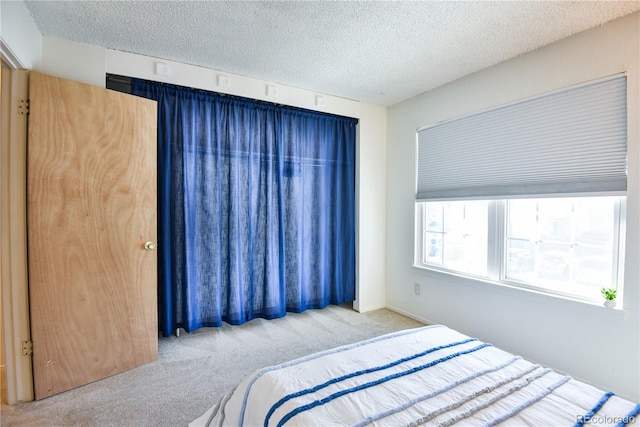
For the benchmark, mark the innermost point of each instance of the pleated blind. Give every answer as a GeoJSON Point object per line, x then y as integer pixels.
{"type": "Point", "coordinates": [566, 142]}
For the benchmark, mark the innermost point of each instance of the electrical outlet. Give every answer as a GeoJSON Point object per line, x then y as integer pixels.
{"type": "Point", "coordinates": [416, 288]}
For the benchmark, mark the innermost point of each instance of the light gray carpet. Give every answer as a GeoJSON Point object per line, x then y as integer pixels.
{"type": "Point", "coordinates": [194, 371]}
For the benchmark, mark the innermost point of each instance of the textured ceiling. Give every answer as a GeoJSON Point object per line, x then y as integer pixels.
{"type": "Point", "coordinates": [378, 52]}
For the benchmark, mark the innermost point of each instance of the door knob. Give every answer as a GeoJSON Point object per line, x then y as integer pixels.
{"type": "Point", "coordinates": [150, 246]}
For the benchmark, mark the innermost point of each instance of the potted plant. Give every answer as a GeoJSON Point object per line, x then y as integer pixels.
{"type": "Point", "coordinates": [609, 297]}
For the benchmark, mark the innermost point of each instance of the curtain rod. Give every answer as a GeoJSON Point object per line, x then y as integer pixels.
{"type": "Point", "coordinates": [119, 79]}
{"type": "Point", "coordinates": [115, 78]}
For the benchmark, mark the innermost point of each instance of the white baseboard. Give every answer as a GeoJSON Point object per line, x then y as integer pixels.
{"type": "Point", "coordinates": [370, 308]}
{"type": "Point", "coordinates": [411, 315]}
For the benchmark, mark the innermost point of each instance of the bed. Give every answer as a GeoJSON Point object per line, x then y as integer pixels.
{"type": "Point", "coordinates": [426, 376]}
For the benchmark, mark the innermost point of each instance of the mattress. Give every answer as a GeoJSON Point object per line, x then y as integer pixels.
{"type": "Point", "coordinates": [425, 376]}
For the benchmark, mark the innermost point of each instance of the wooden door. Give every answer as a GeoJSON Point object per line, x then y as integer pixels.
{"type": "Point", "coordinates": [91, 194]}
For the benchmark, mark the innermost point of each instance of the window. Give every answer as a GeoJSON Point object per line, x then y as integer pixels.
{"type": "Point", "coordinates": [455, 236]}
{"type": "Point", "coordinates": [566, 246]}
{"type": "Point", "coordinates": [531, 193]}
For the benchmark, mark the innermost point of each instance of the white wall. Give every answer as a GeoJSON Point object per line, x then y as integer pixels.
{"type": "Point", "coordinates": [589, 342]}
{"type": "Point", "coordinates": [371, 209]}
{"type": "Point", "coordinates": [74, 61]}
{"type": "Point", "coordinates": [88, 64]}
{"type": "Point", "coordinates": [20, 36]}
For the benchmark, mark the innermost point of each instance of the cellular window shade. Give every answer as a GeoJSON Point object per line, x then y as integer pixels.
{"type": "Point", "coordinates": [566, 142]}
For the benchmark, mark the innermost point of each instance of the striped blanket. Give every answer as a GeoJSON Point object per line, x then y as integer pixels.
{"type": "Point", "coordinates": [425, 376]}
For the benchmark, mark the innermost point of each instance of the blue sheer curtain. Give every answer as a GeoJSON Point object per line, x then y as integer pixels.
{"type": "Point", "coordinates": [256, 208]}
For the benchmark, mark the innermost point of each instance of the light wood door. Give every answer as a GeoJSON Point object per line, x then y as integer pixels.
{"type": "Point", "coordinates": [91, 208]}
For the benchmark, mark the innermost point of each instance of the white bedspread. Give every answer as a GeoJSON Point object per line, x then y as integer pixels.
{"type": "Point", "coordinates": [425, 376]}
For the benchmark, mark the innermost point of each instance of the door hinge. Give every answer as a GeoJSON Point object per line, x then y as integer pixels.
{"type": "Point", "coordinates": [23, 107]}
{"type": "Point", "coordinates": [27, 348]}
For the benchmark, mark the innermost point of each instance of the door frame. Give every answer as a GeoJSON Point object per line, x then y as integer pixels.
{"type": "Point", "coordinates": [13, 223]}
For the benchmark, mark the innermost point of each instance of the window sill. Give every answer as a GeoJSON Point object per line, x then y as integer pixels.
{"type": "Point", "coordinates": [481, 283]}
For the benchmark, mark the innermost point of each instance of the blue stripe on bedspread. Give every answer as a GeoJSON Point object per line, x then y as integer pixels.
{"type": "Point", "coordinates": [288, 397]}
{"type": "Point", "coordinates": [338, 394]}
{"type": "Point", "coordinates": [487, 389]}
{"type": "Point", "coordinates": [485, 404]}
{"type": "Point", "coordinates": [434, 393]}
{"type": "Point", "coordinates": [585, 418]}
{"type": "Point", "coordinates": [527, 403]}
{"type": "Point", "coordinates": [320, 354]}
{"type": "Point", "coordinates": [630, 418]}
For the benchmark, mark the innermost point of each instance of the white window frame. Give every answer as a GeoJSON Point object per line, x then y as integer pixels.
{"type": "Point", "coordinates": [497, 255]}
